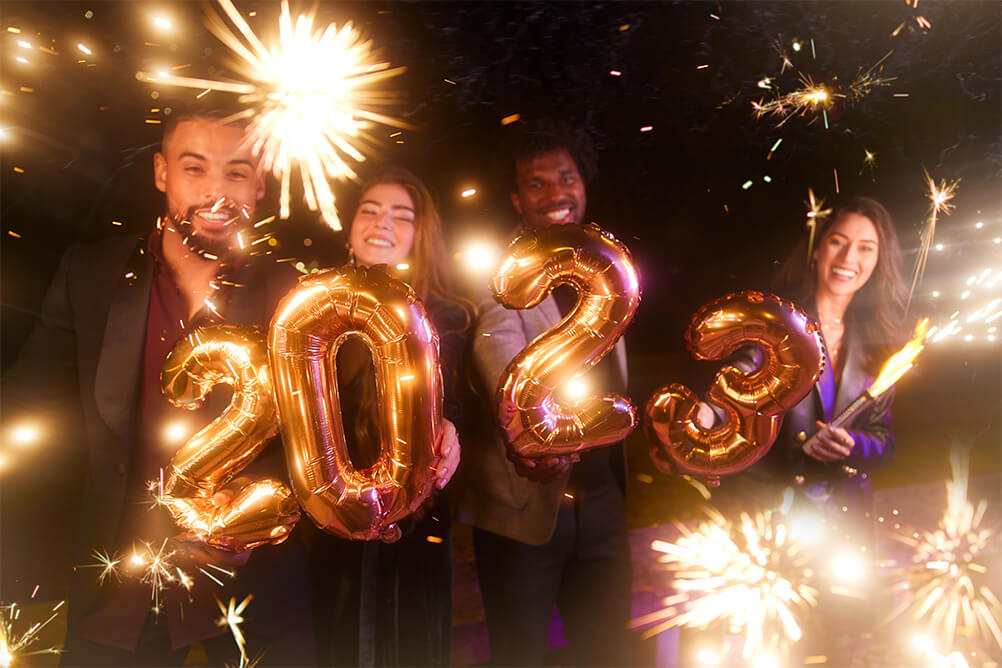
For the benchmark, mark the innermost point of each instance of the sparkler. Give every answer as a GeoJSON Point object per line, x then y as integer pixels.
{"type": "Point", "coordinates": [15, 646]}
{"type": "Point", "coordinates": [895, 367]}
{"type": "Point", "coordinates": [754, 574]}
{"type": "Point", "coordinates": [939, 200]}
{"type": "Point", "coordinates": [311, 100]}
{"type": "Point", "coordinates": [950, 589]}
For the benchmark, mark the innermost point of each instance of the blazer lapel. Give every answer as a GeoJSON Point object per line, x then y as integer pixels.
{"type": "Point", "coordinates": [854, 378]}
{"type": "Point", "coordinates": [120, 362]}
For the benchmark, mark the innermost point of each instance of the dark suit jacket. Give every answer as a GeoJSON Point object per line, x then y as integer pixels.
{"type": "Point", "coordinates": [493, 496]}
{"type": "Point", "coordinates": [79, 373]}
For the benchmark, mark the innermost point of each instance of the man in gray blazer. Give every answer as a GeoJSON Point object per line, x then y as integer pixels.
{"type": "Point", "coordinates": [89, 375]}
{"type": "Point", "coordinates": [548, 531]}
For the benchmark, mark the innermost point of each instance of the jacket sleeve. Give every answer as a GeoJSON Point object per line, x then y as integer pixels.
{"type": "Point", "coordinates": [41, 485]}
{"type": "Point", "coordinates": [498, 338]}
{"type": "Point", "coordinates": [42, 385]}
{"type": "Point", "coordinates": [873, 436]}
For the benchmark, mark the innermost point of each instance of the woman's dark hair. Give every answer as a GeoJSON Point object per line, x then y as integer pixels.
{"type": "Point", "coordinates": [877, 310]}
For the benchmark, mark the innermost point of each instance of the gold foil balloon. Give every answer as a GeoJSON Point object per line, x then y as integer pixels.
{"type": "Point", "coordinates": [754, 402]}
{"type": "Point", "coordinates": [534, 418]}
{"type": "Point", "coordinates": [308, 328]}
{"type": "Point", "coordinates": [257, 512]}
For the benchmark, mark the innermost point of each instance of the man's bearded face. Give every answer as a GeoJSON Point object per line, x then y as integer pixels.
{"type": "Point", "coordinates": [212, 184]}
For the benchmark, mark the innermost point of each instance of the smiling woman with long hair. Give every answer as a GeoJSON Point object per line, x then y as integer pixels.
{"type": "Point", "coordinates": [390, 604]}
{"type": "Point", "coordinates": [852, 284]}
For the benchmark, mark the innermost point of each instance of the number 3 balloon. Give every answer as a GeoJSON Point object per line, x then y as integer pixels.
{"type": "Point", "coordinates": [308, 328]}
{"type": "Point", "coordinates": [754, 402]}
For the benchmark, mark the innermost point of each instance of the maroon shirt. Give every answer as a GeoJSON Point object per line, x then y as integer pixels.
{"type": "Point", "coordinates": [161, 430]}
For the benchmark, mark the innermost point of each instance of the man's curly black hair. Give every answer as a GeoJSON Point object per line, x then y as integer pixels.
{"type": "Point", "coordinates": [527, 139]}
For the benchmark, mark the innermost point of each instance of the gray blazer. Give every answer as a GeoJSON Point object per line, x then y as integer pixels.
{"type": "Point", "coordinates": [493, 496]}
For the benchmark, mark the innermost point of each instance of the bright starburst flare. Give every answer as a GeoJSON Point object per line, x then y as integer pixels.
{"type": "Point", "coordinates": [939, 202]}
{"type": "Point", "coordinates": [311, 100]}
{"type": "Point", "coordinates": [232, 618]}
{"type": "Point", "coordinates": [948, 582]}
{"type": "Point", "coordinates": [814, 213]}
{"type": "Point", "coordinates": [754, 574]}
{"type": "Point", "coordinates": [16, 645]}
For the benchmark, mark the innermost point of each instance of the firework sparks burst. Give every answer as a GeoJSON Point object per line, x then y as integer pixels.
{"type": "Point", "coordinates": [813, 98]}
{"type": "Point", "coordinates": [15, 645]}
{"type": "Point", "coordinates": [311, 101]}
{"type": "Point", "coordinates": [939, 202]}
{"type": "Point", "coordinates": [753, 573]}
{"type": "Point", "coordinates": [948, 582]}
{"type": "Point", "coordinates": [232, 618]}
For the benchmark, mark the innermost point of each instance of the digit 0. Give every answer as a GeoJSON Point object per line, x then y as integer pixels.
{"type": "Point", "coordinates": [259, 512]}
{"type": "Point", "coordinates": [308, 328]}
{"type": "Point", "coordinates": [779, 371]}
{"type": "Point", "coordinates": [535, 419]}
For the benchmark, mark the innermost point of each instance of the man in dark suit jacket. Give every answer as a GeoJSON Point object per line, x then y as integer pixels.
{"type": "Point", "coordinates": [88, 376]}
{"type": "Point", "coordinates": [547, 531]}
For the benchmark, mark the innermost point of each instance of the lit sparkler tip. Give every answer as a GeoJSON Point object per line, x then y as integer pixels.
{"type": "Point", "coordinates": [901, 361]}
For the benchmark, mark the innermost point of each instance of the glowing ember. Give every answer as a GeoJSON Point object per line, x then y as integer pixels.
{"type": "Point", "coordinates": [753, 573]}
{"type": "Point", "coordinates": [310, 100]}
{"type": "Point", "coordinates": [900, 362]}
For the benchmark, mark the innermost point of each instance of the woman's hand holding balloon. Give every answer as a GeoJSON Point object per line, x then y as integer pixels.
{"type": "Point", "coordinates": [450, 449]}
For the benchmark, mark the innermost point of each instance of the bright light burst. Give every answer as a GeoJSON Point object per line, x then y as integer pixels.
{"type": "Point", "coordinates": [16, 645]}
{"type": "Point", "coordinates": [939, 202]}
{"type": "Point", "coordinates": [754, 574]}
{"type": "Point", "coordinates": [948, 583]}
{"type": "Point", "coordinates": [310, 100]}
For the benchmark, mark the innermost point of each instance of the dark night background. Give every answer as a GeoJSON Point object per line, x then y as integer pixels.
{"type": "Point", "coordinates": [77, 148]}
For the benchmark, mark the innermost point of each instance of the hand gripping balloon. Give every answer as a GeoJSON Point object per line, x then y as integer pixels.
{"type": "Point", "coordinates": [309, 326]}
{"type": "Point", "coordinates": [535, 421]}
{"type": "Point", "coordinates": [258, 512]}
{"type": "Point", "coordinates": [754, 402]}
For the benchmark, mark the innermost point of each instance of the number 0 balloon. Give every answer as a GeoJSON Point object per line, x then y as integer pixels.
{"type": "Point", "coordinates": [308, 328]}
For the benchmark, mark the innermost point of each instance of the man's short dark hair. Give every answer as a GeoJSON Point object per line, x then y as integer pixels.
{"type": "Point", "coordinates": [528, 139]}
{"type": "Point", "coordinates": [230, 115]}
